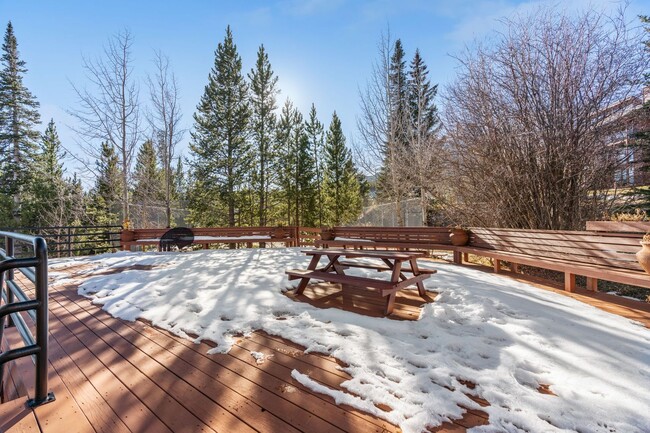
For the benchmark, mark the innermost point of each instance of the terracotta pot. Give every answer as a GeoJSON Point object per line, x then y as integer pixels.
{"type": "Point", "coordinates": [326, 234]}
{"type": "Point", "coordinates": [643, 256]}
{"type": "Point", "coordinates": [279, 233]}
{"type": "Point", "coordinates": [127, 235]}
{"type": "Point", "coordinates": [459, 237]}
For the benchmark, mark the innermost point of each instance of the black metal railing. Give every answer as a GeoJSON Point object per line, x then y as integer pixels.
{"type": "Point", "coordinates": [15, 302]}
{"type": "Point", "coordinates": [68, 241]}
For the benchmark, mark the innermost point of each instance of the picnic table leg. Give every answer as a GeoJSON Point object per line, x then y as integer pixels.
{"type": "Point", "coordinates": [303, 283]}
{"type": "Point", "coordinates": [416, 271]}
{"type": "Point", "coordinates": [333, 264]}
{"type": "Point", "coordinates": [391, 267]}
{"type": "Point", "coordinates": [390, 304]}
{"type": "Point", "coordinates": [395, 277]}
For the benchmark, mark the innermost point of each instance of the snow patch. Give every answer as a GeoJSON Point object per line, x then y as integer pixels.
{"type": "Point", "coordinates": [505, 337]}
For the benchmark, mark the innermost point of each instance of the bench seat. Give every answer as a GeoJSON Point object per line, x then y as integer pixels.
{"type": "Point", "coordinates": [381, 268]}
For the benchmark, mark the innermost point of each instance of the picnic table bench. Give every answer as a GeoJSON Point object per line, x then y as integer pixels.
{"type": "Point", "coordinates": [334, 271]}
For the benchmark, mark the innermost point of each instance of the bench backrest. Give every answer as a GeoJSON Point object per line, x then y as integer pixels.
{"type": "Point", "coordinates": [615, 250]}
{"type": "Point", "coordinates": [424, 235]}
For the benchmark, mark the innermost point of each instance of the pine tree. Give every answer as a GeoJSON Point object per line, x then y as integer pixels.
{"type": "Point", "coordinates": [398, 96]}
{"type": "Point", "coordinates": [221, 154]}
{"type": "Point", "coordinates": [148, 188]}
{"type": "Point", "coordinates": [263, 104]}
{"type": "Point", "coordinates": [394, 176]}
{"type": "Point", "coordinates": [295, 167]}
{"type": "Point", "coordinates": [48, 200]}
{"type": "Point", "coordinates": [424, 124]}
{"type": "Point", "coordinates": [314, 131]}
{"type": "Point", "coordinates": [105, 197]}
{"type": "Point", "coordinates": [289, 120]}
{"type": "Point", "coordinates": [18, 118]}
{"type": "Point", "coordinates": [342, 188]}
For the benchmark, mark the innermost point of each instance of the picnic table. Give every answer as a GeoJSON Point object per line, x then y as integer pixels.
{"type": "Point", "coordinates": [391, 261]}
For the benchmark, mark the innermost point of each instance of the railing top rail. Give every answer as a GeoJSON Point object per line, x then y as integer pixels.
{"type": "Point", "coordinates": [60, 227]}
{"type": "Point", "coordinates": [21, 237]}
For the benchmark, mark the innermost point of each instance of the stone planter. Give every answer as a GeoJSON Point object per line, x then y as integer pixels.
{"type": "Point", "coordinates": [459, 237]}
{"type": "Point", "coordinates": [643, 256]}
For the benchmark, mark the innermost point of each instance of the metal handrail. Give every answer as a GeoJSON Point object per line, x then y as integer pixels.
{"type": "Point", "coordinates": [74, 240]}
{"type": "Point", "coordinates": [15, 301]}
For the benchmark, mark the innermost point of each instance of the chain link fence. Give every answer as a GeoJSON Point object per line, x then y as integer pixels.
{"type": "Point", "coordinates": [386, 214]}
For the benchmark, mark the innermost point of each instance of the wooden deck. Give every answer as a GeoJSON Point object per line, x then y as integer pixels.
{"type": "Point", "coordinates": [109, 375]}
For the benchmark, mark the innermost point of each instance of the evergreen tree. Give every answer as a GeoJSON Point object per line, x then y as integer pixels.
{"type": "Point", "coordinates": [105, 197]}
{"type": "Point", "coordinates": [424, 125]}
{"type": "Point", "coordinates": [221, 154]}
{"type": "Point", "coordinates": [148, 188]}
{"type": "Point", "coordinates": [288, 121]}
{"type": "Point", "coordinates": [263, 104]}
{"type": "Point", "coordinates": [344, 201]}
{"type": "Point", "coordinates": [295, 168]}
{"type": "Point", "coordinates": [48, 201]}
{"type": "Point", "coordinates": [423, 113]}
{"type": "Point", "coordinates": [18, 118]}
{"type": "Point", "coordinates": [394, 176]}
{"type": "Point", "coordinates": [314, 131]}
{"type": "Point", "coordinates": [398, 89]}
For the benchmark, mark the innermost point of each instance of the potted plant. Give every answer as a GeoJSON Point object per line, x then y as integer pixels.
{"type": "Point", "coordinates": [459, 236]}
{"type": "Point", "coordinates": [279, 232]}
{"type": "Point", "coordinates": [127, 234]}
{"type": "Point", "coordinates": [643, 255]}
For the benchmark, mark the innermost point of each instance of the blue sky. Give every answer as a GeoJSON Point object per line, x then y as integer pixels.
{"type": "Point", "coordinates": [321, 50]}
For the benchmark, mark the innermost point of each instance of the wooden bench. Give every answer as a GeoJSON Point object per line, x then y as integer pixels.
{"type": "Point", "coordinates": [399, 238]}
{"type": "Point", "coordinates": [595, 255]}
{"type": "Point", "coordinates": [206, 236]}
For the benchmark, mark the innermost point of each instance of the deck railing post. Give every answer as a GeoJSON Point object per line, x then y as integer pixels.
{"type": "Point", "coordinates": [42, 325]}
{"type": "Point", "coordinates": [9, 276]}
{"type": "Point", "coordinates": [69, 242]}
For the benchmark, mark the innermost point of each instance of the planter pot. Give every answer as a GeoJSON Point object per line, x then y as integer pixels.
{"type": "Point", "coordinates": [279, 233]}
{"type": "Point", "coordinates": [127, 235]}
{"type": "Point", "coordinates": [459, 237]}
{"type": "Point", "coordinates": [326, 234]}
{"type": "Point", "coordinates": [643, 256]}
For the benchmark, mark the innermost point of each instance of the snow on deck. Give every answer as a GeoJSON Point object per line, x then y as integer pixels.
{"type": "Point", "coordinates": [505, 336]}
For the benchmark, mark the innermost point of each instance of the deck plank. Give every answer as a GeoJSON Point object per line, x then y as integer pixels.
{"type": "Point", "coordinates": [189, 377]}
{"type": "Point", "coordinates": [136, 373]}
{"type": "Point", "coordinates": [17, 417]}
{"type": "Point", "coordinates": [272, 393]}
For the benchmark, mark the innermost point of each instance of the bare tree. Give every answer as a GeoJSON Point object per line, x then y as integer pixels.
{"type": "Point", "coordinates": [527, 119]}
{"type": "Point", "coordinates": [111, 111]}
{"type": "Point", "coordinates": [164, 120]}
